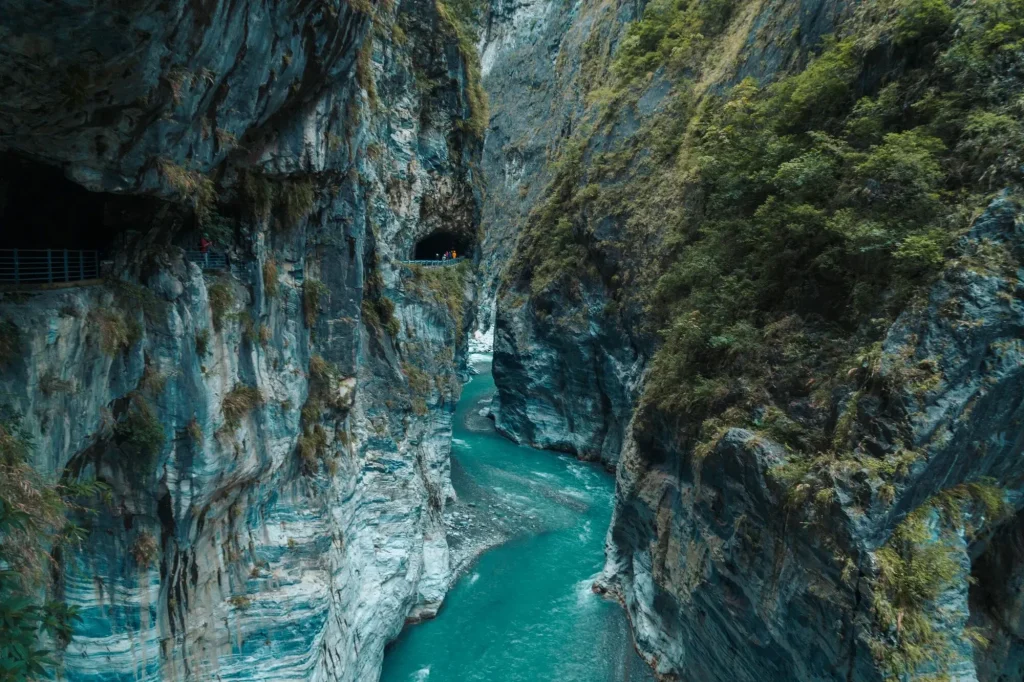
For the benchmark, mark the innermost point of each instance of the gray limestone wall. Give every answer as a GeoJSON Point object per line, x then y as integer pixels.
{"type": "Point", "coordinates": [302, 400]}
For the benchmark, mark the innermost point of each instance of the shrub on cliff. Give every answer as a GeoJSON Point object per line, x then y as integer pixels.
{"type": "Point", "coordinates": [239, 401]}
{"type": "Point", "coordinates": [202, 342]}
{"type": "Point", "coordinates": [445, 285]}
{"type": "Point", "coordinates": [916, 566]}
{"type": "Point", "coordinates": [313, 291]}
{"type": "Point", "coordinates": [145, 549]}
{"type": "Point", "coordinates": [221, 300]}
{"type": "Point", "coordinates": [10, 342]}
{"type": "Point", "coordinates": [772, 232]}
{"type": "Point", "coordinates": [117, 331]}
{"type": "Point", "coordinates": [379, 314]}
{"type": "Point", "coordinates": [459, 17]}
{"type": "Point", "coordinates": [140, 434]}
{"type": "Point", "coordinates": [323, 395]}
{"type": "Point", "coordinates": [270, 277]}
{"type": "Point", "coordinates": [671, 33]}
{"type": "Point", "coordinates": [33, 522]}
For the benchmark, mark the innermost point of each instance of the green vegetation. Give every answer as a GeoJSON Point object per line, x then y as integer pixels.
{"type": "Point", "coordinates": [771, 233]}
{"type": "Point", "coordinates": [130, 298]}
{"type": "Point", "coordinates": [240, 401]}
{"type": "Point", "coordinates": [379, 314]}
{"type": "Point", "coordinates": [323, 395]}
{"type": "Point", "coordinates": [247, 325]}
{"type": "Point", "coordinates": [153, 381]}
{"type": "Point", "coordinates": [202, 342]}
{"type": "Point", "coordinates": [445, 285]}
{"type": "Point", "coordinates": [419, 387]}
{"type": "Point", "coordinates": [195, 431]}
{"type": "Point", "coordinates": [221, 300]}
{"type": "Point", "coordinates": [364, 71]}
{"type": "Point", "coordinates": [117, 332]}
{"type": "Point", "coordinates": [270, 277]}
{"type": "Point", "coordinates": [145, 549]}
{"type": "Point", "coordinates": [460, 17]}
{"type": "Point", "coordinates": [51, 385]}
{"type": "Point", "coordinates": [378, 311]}
{"type": "Point", "coordinates": [10, 342]}
{"type": "Point", "coordinates": [192, 186]}
{"type": "Point", "coordinates": [916, 566]}
{"type": "Point", "coordinates": [34, 525]}
{"type": "Point", "coordinates": [289, 199]}
{"type": "Point", "coordinates": [140, 434]}
{"type": "Point", "coordinates": [296, 200]}
{"type": "Point", "coordinates": [671, 33]}
{"type": "Point", "coordinates": [313, 292]}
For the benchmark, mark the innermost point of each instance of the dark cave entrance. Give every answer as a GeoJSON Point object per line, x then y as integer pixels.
{"type": "Point", "coordinates": [42, 209]}
{"type": "Point", "coordinates": [434, 245]}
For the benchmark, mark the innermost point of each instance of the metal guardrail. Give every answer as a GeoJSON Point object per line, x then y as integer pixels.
{"type": "Point", "coordinates": [46, 266]}
{"type": "Point", "coordinates": [435, 263]}
{"type": "Point", "coordinates": [208, 260]}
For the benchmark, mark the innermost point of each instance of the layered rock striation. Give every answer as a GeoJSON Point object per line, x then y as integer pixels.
{"type": "Point", "coordinates": [274, 434]}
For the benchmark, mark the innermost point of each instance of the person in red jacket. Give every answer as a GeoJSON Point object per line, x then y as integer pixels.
{"type": "Point", "coordinates": [205, 244]}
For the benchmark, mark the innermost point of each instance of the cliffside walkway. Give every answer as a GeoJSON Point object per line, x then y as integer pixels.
{"type": "Point", "coordinates": [48, 266]}
{"type": "Point", "coordinates": [208, 260]}
{"type": "Point", "coordinates": [435, 263]}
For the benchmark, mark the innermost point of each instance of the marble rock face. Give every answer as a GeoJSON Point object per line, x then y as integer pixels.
{"type": "Point", "coordinates": [293, 507]}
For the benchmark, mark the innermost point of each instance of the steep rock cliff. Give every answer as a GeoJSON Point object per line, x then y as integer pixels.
{"type": "Point", "coordinates": [750, 266]}
{"type": "Point", "coordinates": [724, 575]}
{"type": "Point", "coordinates": [566, 387]}
{"type": "Point", "coordinates": [274, 434]}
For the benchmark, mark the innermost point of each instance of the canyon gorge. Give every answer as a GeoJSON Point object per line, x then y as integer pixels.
{"type": "Point", "coordinates": [747, 275]}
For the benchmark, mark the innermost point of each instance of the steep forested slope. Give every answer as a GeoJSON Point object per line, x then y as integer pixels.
{"type": "Point", "coordinates": [785, 236]}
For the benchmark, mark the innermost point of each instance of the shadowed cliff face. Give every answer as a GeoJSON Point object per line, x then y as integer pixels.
{"type": "Point", "coordinates": [722, 573]}
{"type": "Point", "coordinates": [564, 387]}
{"type": "Point", "coordinates": [826, 485]}
{"type": "Point", "coordinates": [275, 435]}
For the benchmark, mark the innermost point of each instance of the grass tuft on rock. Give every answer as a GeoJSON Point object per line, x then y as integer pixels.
{"type": "Point", "coordinates": [221, 299]}
{"type": "Point", "coordinates": [238, 403]}
{"type": "Point", "coordinates": [270, 284]}
{"type": "Point", "coordinates": [144, 550]}
{"type": "Point", "coordinates": [313, 292]}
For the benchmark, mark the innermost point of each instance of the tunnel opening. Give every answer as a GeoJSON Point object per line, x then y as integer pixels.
{"type": "Point", "coordinates": [436, 244]}
{"type": "Point", "coordinates": [42, 209]}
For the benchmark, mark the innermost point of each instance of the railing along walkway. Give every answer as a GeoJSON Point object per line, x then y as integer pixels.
{"type": "Point", "coordinates": [208, 260]}
{"type": "Point", "coordinates": [435, 263]}
{"type": "Point", "coordinates": [47, 266]}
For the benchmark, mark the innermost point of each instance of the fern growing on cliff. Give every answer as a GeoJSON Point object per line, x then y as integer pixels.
{"type": "Point", "coordinates": [33, 522]}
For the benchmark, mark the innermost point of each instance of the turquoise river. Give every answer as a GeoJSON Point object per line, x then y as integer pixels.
{"type": "Point", "coordinates": [524, 611]}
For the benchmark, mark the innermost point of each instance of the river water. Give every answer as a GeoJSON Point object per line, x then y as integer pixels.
{"type": "Point", "coordinates": [524, 612]}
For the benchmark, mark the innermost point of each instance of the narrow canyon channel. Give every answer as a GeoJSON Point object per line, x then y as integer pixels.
{"type": "Point", "coordinates": [523, 612]}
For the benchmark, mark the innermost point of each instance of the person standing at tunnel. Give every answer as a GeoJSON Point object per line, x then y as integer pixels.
{"type": "Point", "coordinates": [205, 244]}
